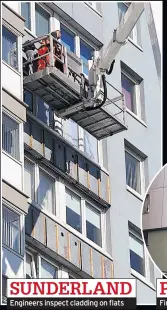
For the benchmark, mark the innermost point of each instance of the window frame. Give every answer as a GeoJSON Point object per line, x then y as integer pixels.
{"type": "Point", "coordinates": [18, 122]}
{"type": "Point", "coordinates": [30, 8]}
{"type": "Point", "coordinates": [93, 6]}
{"type": "Point", "coordinates": [142, 174]}
{"type": "Point", "coordinates": [38, 167]}
{"type": "Point", "coordinates": [92, 205]}
{"type": "Point", "coordinates": [33, 263]}
{"type": "Point", "coordinates": [136, 93]}
{"type": "Point", "coordinates": [46, 9]}
{"type": "Point", "coordinates": [21, 226]}
{"type": "Point", "coordinates": [48, 260]}
{"type": "Point", "coordinates": [18, 70]}
{"type": "Point", "coordinates": [146, 259]}
{"type": "Point", "coordinates": [138, 239]}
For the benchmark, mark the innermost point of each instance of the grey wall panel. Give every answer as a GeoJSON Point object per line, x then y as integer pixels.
{"type": "Point", "coordinates": [37, 141]}
{"type": "Point", "coordinates": [108, 268]}
{"type": "Point", "coordinates": [15, 197]}
{"type": "Point", "coordinates": [93, 178]}
{"type": "Point", "coordinates": [165, 176]}
{"type": "Point", "coordinates": [63, 246]}
{"type": "Point", "coordinates": [39, 226]}
{"type": "Point", "coordinates": [82, 166]}
{"type": "Point", "coordinates": [51, 235]}
{"type": "Point", "coordinates": [71, 163]}
{"type": "Point", "coordinates": [59, 154]}
{"type": "Point", "coordinates": [97, 264]}
{"type": "Point", "coordinates": [75, 251]}
{"type": "Point", "coordinates": [156, 204]}
{"type": "Point", "coordinates": [104, 192]}
{"type": "Point", "coordinates": [86, 259]}
{"type": "Point", "coordinates": [14, 105]}
{"type": "Point", "coordinates": [164, 209]}
{"type": "Point", "coordinates": [158, 181]}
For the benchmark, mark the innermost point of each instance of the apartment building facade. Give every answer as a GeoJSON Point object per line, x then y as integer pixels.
{"type": "Point", "coordinates": [71, 203]}
{"type": "Point", "coordinates": [154, 220]}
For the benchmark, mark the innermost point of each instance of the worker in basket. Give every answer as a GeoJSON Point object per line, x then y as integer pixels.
{"type": "Point", "coordinates": [45, 49]}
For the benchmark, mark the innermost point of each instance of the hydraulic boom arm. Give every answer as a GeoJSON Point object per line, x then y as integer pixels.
{"type": "Point", "coordinates": [120, 36]}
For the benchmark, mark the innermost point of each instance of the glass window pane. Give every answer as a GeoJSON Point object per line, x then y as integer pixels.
{"type": "Point", "coordinates": [93, 225]}
{"type": "Point", "coordinates": [11, 236]}
{"type": "Point", "coordinates": [48, 271]}
{"type": "Point", "coordinates": [44, 111]}
{"type": "Point", "coordinates": [128, 89]}
{"type": "Point", "coordinates": [68, 39]}
{"type": "Point", "coordinates": [70, 131]}
{"type": "Point", "coordinates": [41, 21]}
{"type": "Point", "coordinates": [73, 210]}
{"type": "Point", "coordinates": [91, 146]}
{"type": "Point", "coordinates": [28, 99]}
{"type": "Point", "coordinates": [29, 179]}
{"type": "Point", "coordinates": [86, 53]}
{"type": "Point", "coordinates": [10, 136]}
{"type": "Point", "coordinates": [25, 12]}
{"type": "Point", "coordinates": [133, 178]}
{"type": "Point", "coordinates": [136, 254]}
{"type": "Point", "coordinates": [9, 48]}
{"type": "Point", "coordinates": [46, 192]}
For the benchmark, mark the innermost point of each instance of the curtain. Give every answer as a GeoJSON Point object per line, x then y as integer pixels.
{"type": "Point", "coordinates": [10, 136]}
{"type": "Point", "coordinates": [133, 172]}
{"type": "Point", "coordinates": [9, 47]}
{"type": "Point", "coordinates": [11, 229]}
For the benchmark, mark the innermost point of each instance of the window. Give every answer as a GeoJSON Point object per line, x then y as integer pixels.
{"type": "Point", "coordinates": [67, 39]}
{"type": "Point", "coordinates": [73, 210]}
{"type": "Point", "coordinates": [30, 266]}
{"type": "Point", "coordinates": [48, 271]}
{"type": "Point", "coordinates": [44, 111]}
{"type": "Point", "coordinates": [26, 13]}
{"type": "Point", "coordinates": [135, 33]}
{"type": "Point", "coordinates": [93, 225]}
{"type": "Point", "coordinates": [83, 217]}
{"type": "Point", "coordinates": [86, 53]}
{"type": "Point", "coordinates": [41, 21]}
{"type": "Point", "coordinates": [137, 261]}
{"type": "Point", "coordinates": [28, 99]}
{"type": "Point", "coordinates": [9, 48]}
{"type": "Point", "coordinates": [133, 171]}
{"type": "Point", "coordinates": [133, 91]}
{"type": "Point", "coordinates": [29, 179]}
{"type": "Point", "coordinates": [11, 230]}
{"type": "Point", "coordinates": [91, 146]}
{"type": "Point", "coordinates": [70, 131]}
{"type": "Point", "coordinates": [46, 192]}
{"type": "Point", "coordinates": [95, 5]}
{"type": "Point", "coordinates": [36, 181]}
{"type": "Point", "coordinates": [10, 136]}
{"type": "Point", "coordinates": [128, 90]}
